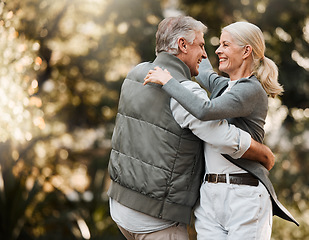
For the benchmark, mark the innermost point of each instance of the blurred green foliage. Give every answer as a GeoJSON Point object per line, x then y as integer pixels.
{"type": "Point", "coordinates": [62, 65]}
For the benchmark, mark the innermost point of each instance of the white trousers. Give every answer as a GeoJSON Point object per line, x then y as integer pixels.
{"type": "Point", "coordinates": [233, 212]}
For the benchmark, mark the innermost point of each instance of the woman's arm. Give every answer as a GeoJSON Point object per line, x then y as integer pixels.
{"type": "Point", "coordinates": [207, 77]}
{"type": "Point", "coordinates": [236, 103]}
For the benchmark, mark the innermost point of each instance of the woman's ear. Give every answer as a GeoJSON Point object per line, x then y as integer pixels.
{"type": "Point", "coordinates": [182, 44]}
{"type": "Point", "coordinates": [247, 52]}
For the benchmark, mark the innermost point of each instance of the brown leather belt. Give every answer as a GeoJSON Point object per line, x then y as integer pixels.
{"type": "Point", "coordinates": [239, 178]}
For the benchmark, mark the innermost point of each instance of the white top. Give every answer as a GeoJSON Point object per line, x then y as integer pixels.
{"type": "Point", "coordinates": [223, 137]}
{"type": "Point", "coordinates": [229, 86]}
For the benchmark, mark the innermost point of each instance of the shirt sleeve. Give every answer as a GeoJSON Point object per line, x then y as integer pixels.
{"type": "Point", "coordinates": [226, 138]}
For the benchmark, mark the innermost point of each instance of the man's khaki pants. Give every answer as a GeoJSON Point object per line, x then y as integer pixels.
{"type": "Point", "coordinates": [175, 232]}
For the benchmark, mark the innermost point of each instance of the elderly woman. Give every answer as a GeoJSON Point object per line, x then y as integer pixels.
{"type": "Point", "coordinates": [228, 208]}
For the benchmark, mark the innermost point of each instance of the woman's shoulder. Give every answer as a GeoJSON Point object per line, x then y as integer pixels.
{"type": "Point", "coordinates": [251, 84]}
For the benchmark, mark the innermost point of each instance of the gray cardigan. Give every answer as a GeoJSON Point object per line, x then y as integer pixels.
{"type": "Point", "coordinates": [245, 106]}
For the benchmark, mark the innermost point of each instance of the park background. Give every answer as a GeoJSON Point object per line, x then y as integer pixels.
{"type": "Point", "coordinates": [62, 63]}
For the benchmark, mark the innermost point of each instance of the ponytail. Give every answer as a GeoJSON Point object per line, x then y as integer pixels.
{"type": "Point", "coordinates": [266, 72]}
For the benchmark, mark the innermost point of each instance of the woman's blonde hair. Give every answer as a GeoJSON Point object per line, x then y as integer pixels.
{"type": "Point", "coordinates": [263, 68]}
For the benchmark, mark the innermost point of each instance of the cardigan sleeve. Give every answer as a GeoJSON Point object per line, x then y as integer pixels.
{"type": "Point", "coordinates": [207, 77]}
{"type": "Point", "coordinates": [238, 102]}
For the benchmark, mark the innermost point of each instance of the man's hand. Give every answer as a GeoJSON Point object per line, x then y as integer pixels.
{"type": "Point", "coordinates": [261, 153]}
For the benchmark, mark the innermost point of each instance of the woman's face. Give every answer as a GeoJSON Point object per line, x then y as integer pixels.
{"type": "Point", "coordinates": [230, 54]}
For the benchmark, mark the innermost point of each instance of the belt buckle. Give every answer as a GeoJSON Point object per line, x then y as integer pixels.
{"type": "Point", "coordinates": [216, 181]}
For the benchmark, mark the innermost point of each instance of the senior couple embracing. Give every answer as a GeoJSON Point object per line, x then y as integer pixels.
{"type": "Point", "coordinates": [175, 151]}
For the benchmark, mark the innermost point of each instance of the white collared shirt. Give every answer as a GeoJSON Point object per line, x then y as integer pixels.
{"type": "Point", "coordinates": [215, 162]}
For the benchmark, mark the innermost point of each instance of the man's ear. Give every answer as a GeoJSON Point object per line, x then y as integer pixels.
{"type": "Point", "coordinates": [247, 52]}
{"type": "Point", "coordinates": [182, 44]}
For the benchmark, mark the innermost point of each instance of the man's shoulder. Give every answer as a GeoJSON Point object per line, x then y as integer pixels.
{"type": "Point", "coordinates": [140, 70]}
{"type": "Point", "coordinates": [142, 66]}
